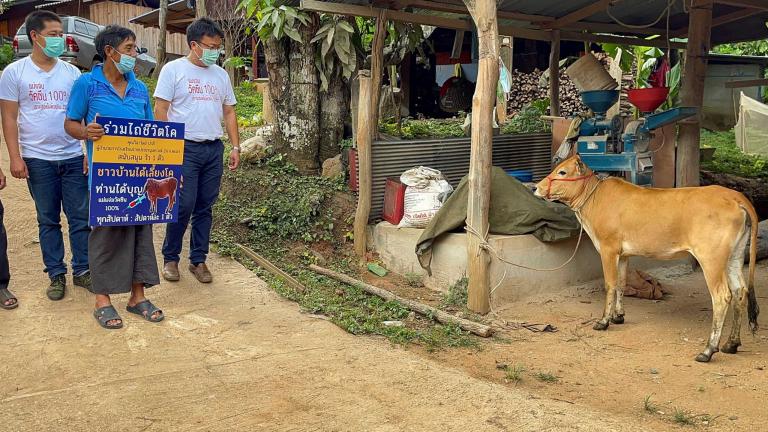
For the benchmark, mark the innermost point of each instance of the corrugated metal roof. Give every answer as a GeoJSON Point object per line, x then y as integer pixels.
{"type": "Point", "coordinates": [632, 12]}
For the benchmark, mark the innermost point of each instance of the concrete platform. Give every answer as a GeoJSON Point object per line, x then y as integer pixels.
{"type": "Point", "coordinates": [396, 248]}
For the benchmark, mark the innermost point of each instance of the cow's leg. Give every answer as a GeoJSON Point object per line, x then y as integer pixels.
{"type": "Point", "coordinates": [618, 315]}
{"type": "Point", "coordinates": [739, 291]}
{"type": "Point", "coordinates": [717, 282]}
{"type": "Point", "coordinates": [611, 274]}
{"type": "Point", "coordinates": [171, 202]}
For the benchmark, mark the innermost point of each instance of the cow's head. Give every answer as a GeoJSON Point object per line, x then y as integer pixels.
{"type": "Point", "coordinates": [566, 182]}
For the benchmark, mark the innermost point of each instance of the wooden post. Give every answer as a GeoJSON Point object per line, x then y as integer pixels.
{"type": "Point", "coordinates": [554, 75]}
{"type": "Point", "coordinates": [484, 14]}
{"type": "Point", "coordinates": [368, 130]}
{"type": "Point", "coordinates": [364, 140]}
{"type": "Point", "coordinates": [692, 91]}
{"type": "Point", "coordinates": [377, 69]}
{"type": "Point", "coordinates": [161, 44]}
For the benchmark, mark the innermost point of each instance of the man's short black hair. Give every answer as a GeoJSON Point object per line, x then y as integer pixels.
{"type": "Point", "coordinates": [36, 21]}
{"type": "Point", "coordinates": [113, 36]}
{"type": "Point", "coordinates": [201, 28]}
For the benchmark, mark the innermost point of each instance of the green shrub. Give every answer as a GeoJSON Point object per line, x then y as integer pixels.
{"type": "Point", "coordinates": [6, 55]}
{"type": "Point", "coordinates": [528, 120]}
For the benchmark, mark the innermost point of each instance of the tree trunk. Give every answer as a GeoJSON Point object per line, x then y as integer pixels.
{"type": "Point", "coordinates": [300, 128]}
{"type": "Point", "coordinates": [334, 108]}
{"type": "Point", "coordinates": [200, 10]}
{"type": "Point", "coordinates": [229, 52]}
{"type": "Point", "coordinates": [163, 22]}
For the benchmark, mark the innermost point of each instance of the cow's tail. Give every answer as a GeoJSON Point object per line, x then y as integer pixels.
{"type": "Point", "coordinates": [753, 310]}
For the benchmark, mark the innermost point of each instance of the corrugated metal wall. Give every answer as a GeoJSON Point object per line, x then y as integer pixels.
{"type": "Point", "coordinates": [451, 157]}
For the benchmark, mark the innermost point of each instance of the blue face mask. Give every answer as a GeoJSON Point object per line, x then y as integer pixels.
{"type": "Point", "coordinates": [54, 46]}
{"type": "Point", "coordinates": [126, 63]}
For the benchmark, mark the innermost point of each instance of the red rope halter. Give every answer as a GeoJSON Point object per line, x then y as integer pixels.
{"type": "Point", "coordinates": [551, 180]}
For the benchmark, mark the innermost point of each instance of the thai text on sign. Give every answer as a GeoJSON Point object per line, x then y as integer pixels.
{"type": "Point", "coordinates": [136, 172]}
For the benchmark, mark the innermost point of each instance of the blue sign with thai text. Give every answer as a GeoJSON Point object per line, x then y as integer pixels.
{"type": "Point", "coordinates": [136, 172]}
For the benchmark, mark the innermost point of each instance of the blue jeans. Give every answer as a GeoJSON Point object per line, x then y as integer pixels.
{"type": "Point", "coordinates": [202, 171]}
{"type": "Point", "coordinates": [53, 185]}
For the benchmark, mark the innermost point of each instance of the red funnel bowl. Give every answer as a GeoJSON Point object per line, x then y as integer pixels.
{"type": "Point", "coordinates": [648, 99]}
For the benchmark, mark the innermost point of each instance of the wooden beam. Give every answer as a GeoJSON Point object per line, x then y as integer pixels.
{"type": "Point", "coordinates": [554, 75]}
{"type": "Point", "coordinates": [484, 14]}
{"type": "Point", "coordinates": [747, 83]}
{"type": "Point", "coordinates": [613, 28]}
{"type": "Point", "coordinates": [757, 4]}
{"type": "Point", "coordinates": [722, 20]}
{"type": "Point", "coordinates": [459, 24]}
{"type": "Point", "coordinates": [181, 21]}
{"type": "Point", "coordinates": [692, 91]}
{"type": "Point", "coordinates": [364, 141]}
{"type": "Point", "coordinates": [621, 40]}
{"type": "Point", "coordinates": [461, 9]}
{"type": "Point", "coordinates": [458, 44]}
{"type": "Point", "coordinates": [578, 15]}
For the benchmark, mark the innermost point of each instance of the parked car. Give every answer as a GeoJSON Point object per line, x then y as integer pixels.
{"type": "Point", "coordinates": [79, 34]}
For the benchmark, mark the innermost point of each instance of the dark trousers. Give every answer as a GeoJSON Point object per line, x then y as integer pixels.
{"type": "Point", "coordinates": [55, 185]}
{"type": "Point", "coordinates": [5, 272]}
{"type": "Point", "coordinates": [202, 171]}
{"type": "Point", "coordinates": [122, 256]}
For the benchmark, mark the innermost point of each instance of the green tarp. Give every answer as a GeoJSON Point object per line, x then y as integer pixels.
{"type": "Point", "coordinates": [514, 211]}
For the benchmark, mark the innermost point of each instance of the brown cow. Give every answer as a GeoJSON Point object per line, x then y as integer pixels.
{"type": "Point", "coordinates": [159, 189]}
{"type": "Point", "coordinates": [711, 223]}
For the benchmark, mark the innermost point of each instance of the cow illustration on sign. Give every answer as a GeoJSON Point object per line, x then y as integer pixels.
{"type": "Point", "coordinates": [155, 189]}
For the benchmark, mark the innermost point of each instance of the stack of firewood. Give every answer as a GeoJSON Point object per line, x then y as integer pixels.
{"type": "Point", "coordinates": [528, 87]}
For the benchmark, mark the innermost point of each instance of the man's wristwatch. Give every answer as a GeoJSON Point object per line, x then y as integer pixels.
{"type": "Point", "coordinates": [236, 148]}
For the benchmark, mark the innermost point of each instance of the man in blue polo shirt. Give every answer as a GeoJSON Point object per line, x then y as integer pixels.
{"type": "Point", "coordinates": [122, 258]}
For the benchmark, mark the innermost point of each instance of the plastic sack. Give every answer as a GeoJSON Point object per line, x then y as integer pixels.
{"type": "Point", "coordinates": [426, 191]}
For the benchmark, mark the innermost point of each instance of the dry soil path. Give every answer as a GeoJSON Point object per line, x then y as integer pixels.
{"type": "Point", "coordinates": [229, 356]}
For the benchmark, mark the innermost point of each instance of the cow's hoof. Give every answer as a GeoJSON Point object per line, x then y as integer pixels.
{"type": "Point", "coordinates": [618, 319]}
{"type": "Point", "coordinates": [600, 326]}
{"type": "Point", "coordinates": [730, 347]}
{"type": "Point", "coordinates": [703, 358]}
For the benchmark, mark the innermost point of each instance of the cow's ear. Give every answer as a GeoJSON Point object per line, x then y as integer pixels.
{"type": "Point", "coordinates": [580, 167]}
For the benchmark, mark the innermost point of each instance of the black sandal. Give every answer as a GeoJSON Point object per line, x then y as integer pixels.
{"type": "Point", "coordinates": [146, 309]}
{"type": "Point", "coordinates": [106, 314]}
{"type": "Point", "coordinates": [6, 295]}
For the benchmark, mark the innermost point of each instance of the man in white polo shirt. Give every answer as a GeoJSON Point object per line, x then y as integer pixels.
{"type": "Point", "coordinates": [34, 92]}
{"type": "Point", "coordinates": [195, 91]}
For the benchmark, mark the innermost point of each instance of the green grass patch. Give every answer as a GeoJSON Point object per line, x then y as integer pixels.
{"type": "Point", "coordinates": [429, 128]}
{"type": "Point", "coordinates": [457, 294]}
{"type": "Point", "coordinates": [546, 377]}
{"type": "Point", "coordinates": [729, 159]}
{"type": "Point", "coordinates": [683, 417]}
{"type": "Point", "coordinates": [287, 217]}
{"type": "Point", "coordinates": [514, 373]}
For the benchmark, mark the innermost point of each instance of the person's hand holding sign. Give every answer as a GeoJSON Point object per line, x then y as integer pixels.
{"type": "Point", "coordinates": [94, 131]}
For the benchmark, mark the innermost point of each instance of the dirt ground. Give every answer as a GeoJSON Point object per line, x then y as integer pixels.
{"type": "Point", "coordinates": [651, 355]}
{"type": "Point", "coordinates": [233, 356]}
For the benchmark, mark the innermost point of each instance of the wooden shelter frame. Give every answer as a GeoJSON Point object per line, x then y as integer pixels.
{"type": "Point", "coordinates": [485, 21]}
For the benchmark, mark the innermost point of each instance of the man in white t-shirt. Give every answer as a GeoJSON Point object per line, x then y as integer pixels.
{"type": "Point", "coordinates": [34, 93]}
{"type": "Point", "coordinates": [195, 91]}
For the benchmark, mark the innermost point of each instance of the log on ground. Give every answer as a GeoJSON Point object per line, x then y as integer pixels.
{"type": "Point", "coordinates": [426, 310]}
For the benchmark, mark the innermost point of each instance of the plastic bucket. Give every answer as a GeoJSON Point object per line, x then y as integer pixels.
{"type": "Point", "coordinates": [587, 73]}
{"type": "Point", "coordinates": [523, 176]}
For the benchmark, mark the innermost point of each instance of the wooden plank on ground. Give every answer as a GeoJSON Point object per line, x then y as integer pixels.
{"type": "Point", "coordinates": [426, 310]}
{"type": "Point", "coordinates": [275, 270]}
